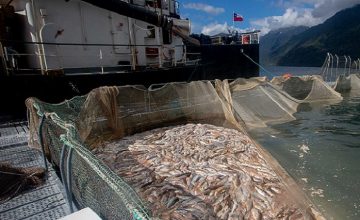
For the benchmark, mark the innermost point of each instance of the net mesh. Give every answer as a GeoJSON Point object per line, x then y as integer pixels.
{"type": "Point", "coordinates": [349, 83]}
{"type": "Point", "coordinates": [257, 102]}
{"type": "Point", "coordinates": [307, 88]}
{"type": "Point", "coordinates": [115, 112]}
{"type": "Point", "coordinates": [110, 113]}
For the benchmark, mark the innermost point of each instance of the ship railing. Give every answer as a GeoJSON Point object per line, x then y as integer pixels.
{"type": "Point", "coordinates": [73, 58]}
{"type": "Point", "coordinates": [339, 65]}
{"type": "Point", "coordinates": [172, 7]}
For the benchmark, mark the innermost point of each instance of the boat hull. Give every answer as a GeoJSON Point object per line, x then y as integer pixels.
{"type": "Point", "coordinates": [217, 62]}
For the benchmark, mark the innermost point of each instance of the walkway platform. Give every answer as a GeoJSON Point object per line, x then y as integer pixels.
{"type": "Point", "coordinates": [44, 202]}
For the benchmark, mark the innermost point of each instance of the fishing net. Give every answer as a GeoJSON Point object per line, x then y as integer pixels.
{"type": "Point", "coordinates": [307, 88]}
{"type": "Point", "coordinates": [349, 83]}
{"type": "Point", "coordinates": [258, 103]}
{"type": "Point", "coordinates": [115, 112]}
{"type": "Point", "coordinates": [110, 113]}
{"type": "Point", "coordinates": [14, 180]}
{"type": "Point", "coordinates": [71, 130]}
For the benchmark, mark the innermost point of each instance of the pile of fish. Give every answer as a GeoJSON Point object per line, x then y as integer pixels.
{"type": "Point", "coordinates": [200, 171]}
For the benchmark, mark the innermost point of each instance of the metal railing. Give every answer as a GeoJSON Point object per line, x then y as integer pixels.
{"type": "Point", "coordinates": [335, 66]}
{"type": "Point", "coordinates": [92, 58]}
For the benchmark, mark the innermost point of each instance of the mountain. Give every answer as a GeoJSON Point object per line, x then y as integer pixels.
{"type": "Point", "coordinates": [274, 40]}
{"type": "Point", "coordinates": [339, 34]}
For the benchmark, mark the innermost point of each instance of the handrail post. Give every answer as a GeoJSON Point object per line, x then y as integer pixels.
{"type": "Point", "coordinates": [69, 178]}
{"type": "Point", "coordinates": [65, 176]}
{"type": "Point", "coordinates": [356, 65]}
{"type": "Point", "coordinates": [174, 56]}
{"type": "Point", "coordinates": [101, 63]}
{"type": "Point", "coordinates": [345, 65]}
{"type": "Point", "coordinates": [332, 66]}
{"type": "Point", "coordinates": [41, 140]}
{"type": "Point", "coordinates": [3, 60]}
{"type": "Point", "coordinates": [327, 67]}
{"type": "Point", "coordinates": [337, 65]}
{"type": "Point", "coordinates": [323, 68]}
{"type": "Point", "coordinates": [185, 54]}
{"type": "Point", "coordinates": [349, 65]}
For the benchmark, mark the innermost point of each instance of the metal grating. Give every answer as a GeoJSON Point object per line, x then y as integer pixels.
{"type": "Point", "coordinates": [45, 202]}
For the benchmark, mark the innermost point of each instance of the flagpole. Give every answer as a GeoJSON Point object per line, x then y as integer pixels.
{"type": "Point", "coordinates": [233, 19]}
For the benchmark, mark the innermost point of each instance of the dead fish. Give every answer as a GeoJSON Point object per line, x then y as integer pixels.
{"type": "Point", "coordinates": [198, 171]}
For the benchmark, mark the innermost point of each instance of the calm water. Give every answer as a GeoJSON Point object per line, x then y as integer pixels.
{"type": "Point", "coordinates": [321, 151]}
{"type": "Point", "coordinates": [332, 73]}
{"type": "Point", "coordinates": [272, 71]}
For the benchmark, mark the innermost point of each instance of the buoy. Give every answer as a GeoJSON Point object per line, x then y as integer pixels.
{"type": "Point", "coordinates": [287, 75]}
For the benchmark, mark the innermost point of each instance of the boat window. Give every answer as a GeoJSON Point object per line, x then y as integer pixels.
{"type": "Point", "coordinates": [150, 31]}
{"type": "Point", "coordinates": [167, 36]}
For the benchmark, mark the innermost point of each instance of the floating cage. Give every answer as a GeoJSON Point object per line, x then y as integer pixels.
{"type": "Point", "coordinates": [307, 88]}
{"type": "Point", "coordinates": [349, 83]}
{"type": "Point", "coordinates": [68, 133]}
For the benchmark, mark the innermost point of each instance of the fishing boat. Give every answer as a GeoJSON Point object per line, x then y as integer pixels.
{"type": "Point", "coordinates": [57, 49]}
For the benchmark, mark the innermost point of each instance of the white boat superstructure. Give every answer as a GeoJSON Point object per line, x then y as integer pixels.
{"type": "Point", "coordinates": [75, 35]}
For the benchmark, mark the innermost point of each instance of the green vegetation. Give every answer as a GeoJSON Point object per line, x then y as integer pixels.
{"type": "Point", "coordinates": [339, 34]}
{"type": "Point", "coordinates": [271, 42]}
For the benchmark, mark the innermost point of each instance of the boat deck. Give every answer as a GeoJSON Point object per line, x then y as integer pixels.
{"type": "Point", "coordinates": [44, 202]}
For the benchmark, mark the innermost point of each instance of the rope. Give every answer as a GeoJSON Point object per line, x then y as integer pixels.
{"type": "Point", "coordinates": [19, 174]}
{"type": "Point", "coordinates": [10, 173]}
{"type": "Point", "coordinates": [144, 29]}
{"type": "Point", "coordinates": [10, 197]}
{"type": "Point", "coordinates": [16, 179]}
{"type": "Point", "coordinates": [193, 72]}
{"type": "Point", "coordinates": [261, 67]}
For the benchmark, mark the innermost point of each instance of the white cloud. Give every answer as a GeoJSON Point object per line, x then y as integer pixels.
{"type": "Point", "coordinates": [205, 8]}
{"type": "Point", "coordinates": [302, 12]}
{"type": "Point", "coordinates": [216, 28]}
{"type": "Point", "coordinates": [327, 8]}
{"type": "Point", "coordinates": [291, 17]}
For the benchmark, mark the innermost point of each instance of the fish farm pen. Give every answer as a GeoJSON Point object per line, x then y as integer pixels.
{"type": "Point", "coordinates": [179, 150]}
{"type": "Point", "coordinates": [162, 123]}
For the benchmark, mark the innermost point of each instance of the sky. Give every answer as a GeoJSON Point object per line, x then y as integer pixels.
{"type": "Point", "coordinates": [215, 16]}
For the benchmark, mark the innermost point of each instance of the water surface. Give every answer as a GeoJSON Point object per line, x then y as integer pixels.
{"type": "Point", "coordinates": [272, 71]}
{"type": "Point", "coordinates": [330, 74]}
{"type": "Point", "coordinates": [321, 151]}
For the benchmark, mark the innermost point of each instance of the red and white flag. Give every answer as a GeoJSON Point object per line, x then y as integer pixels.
{"type": "Point", "coordinates": [237, 17]}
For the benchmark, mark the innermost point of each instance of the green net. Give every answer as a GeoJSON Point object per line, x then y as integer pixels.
{"type": "Point", "coordinates": [111, 113]}
{"type": "Point", "coordinates": [114, 112]}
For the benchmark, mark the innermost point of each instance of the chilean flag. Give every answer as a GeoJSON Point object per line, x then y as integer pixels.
{"type": "Point", "coordinates": [238, 17]}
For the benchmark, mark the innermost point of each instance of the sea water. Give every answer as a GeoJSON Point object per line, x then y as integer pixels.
{"type": "Point", "coordinates": [331, 73]}
{"type": "Point", "coordinates": [271, 71]}
{"type": "Point", "coordinates": [321, 151]}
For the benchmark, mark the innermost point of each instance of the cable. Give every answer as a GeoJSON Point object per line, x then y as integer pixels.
{"type": "Point", "coordinates": [193, 72]}
{"type": "Point", "coordinates": [144, 29]}
{"type": "Point", "coordinates": [261, 67]}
